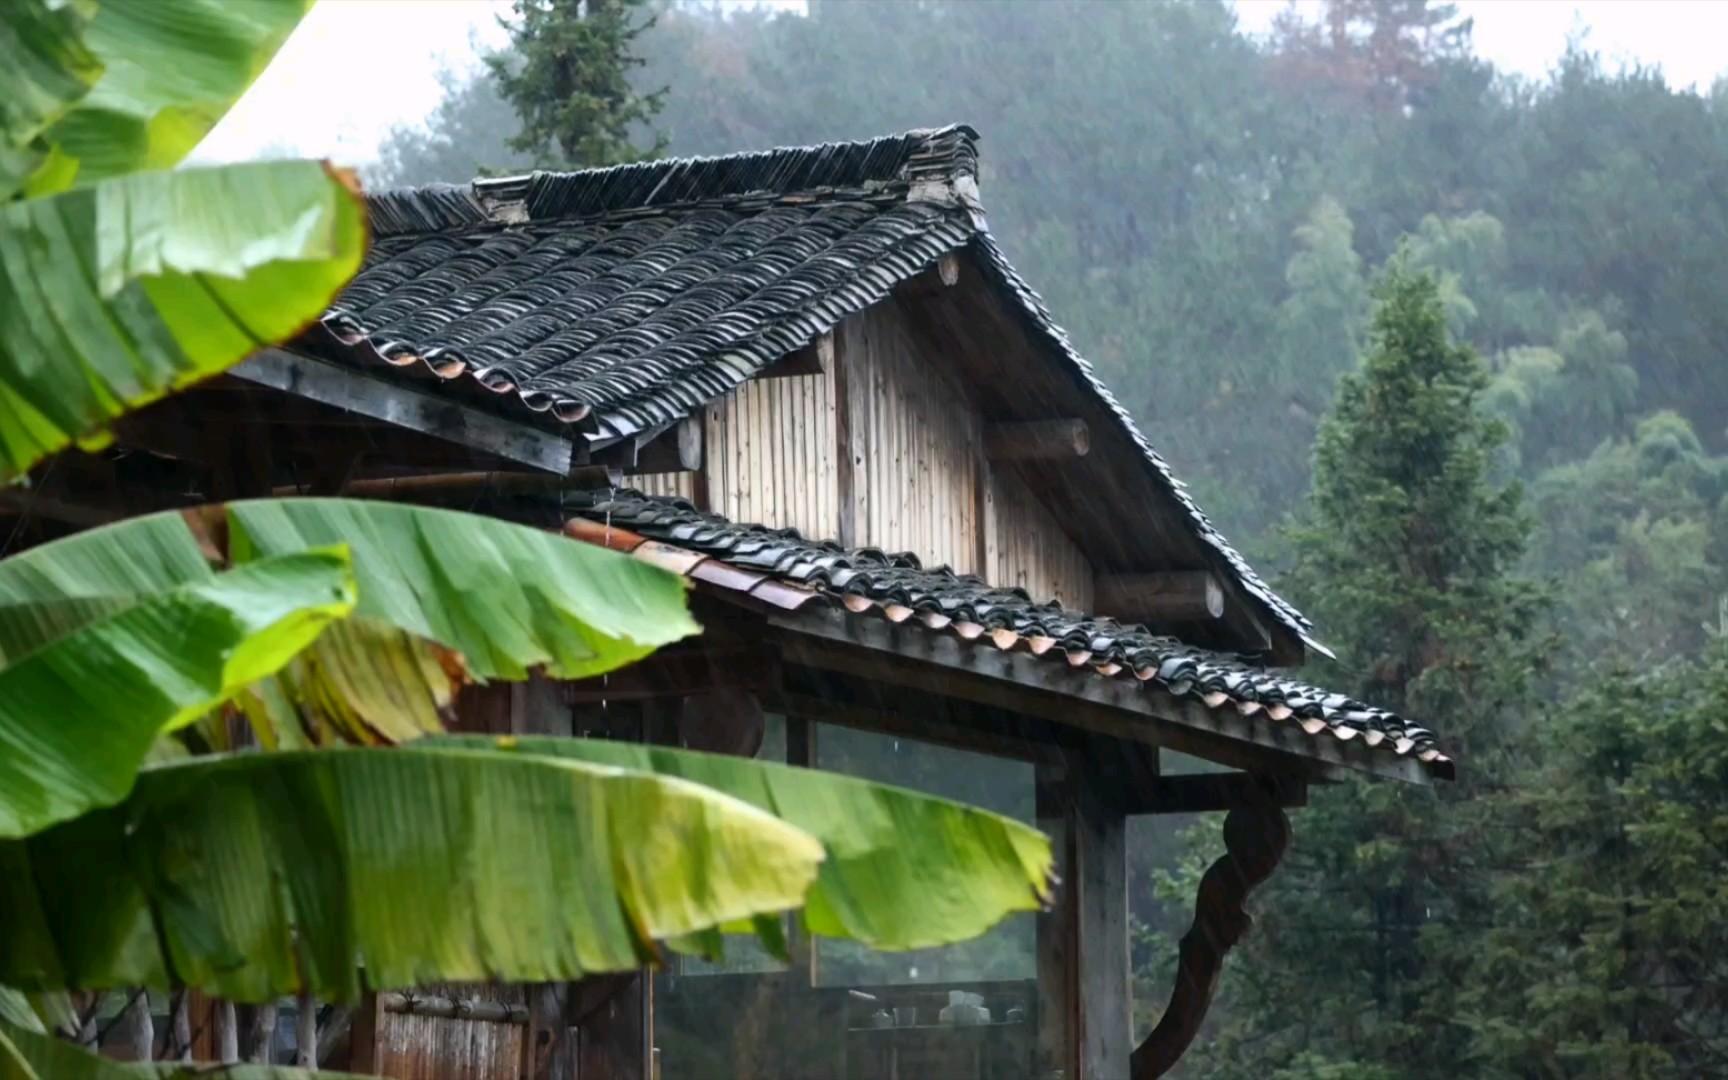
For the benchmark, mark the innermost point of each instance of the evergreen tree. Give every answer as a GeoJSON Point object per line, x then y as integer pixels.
{"type": "Point", "coordinates": [568, 77]}
{"type": "Point", "coordinates": [1605, 960]}
{"type": "Point", "coordinates": [1406, 556]}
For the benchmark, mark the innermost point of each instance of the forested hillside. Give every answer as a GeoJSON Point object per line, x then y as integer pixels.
{"type": "Point", "coordinates": [1209, 216]}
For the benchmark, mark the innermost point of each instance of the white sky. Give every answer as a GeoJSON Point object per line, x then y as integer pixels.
{"type": "Point", "coordinates": [356, 67]}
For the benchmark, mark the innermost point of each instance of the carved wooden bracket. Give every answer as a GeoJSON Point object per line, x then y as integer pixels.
{"type": "Point", "coordinates": [1255, 836]}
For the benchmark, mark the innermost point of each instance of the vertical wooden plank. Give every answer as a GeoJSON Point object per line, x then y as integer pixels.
{"type": "Point", "coordinates": [306, 1032]}
{"type": "Point", "coordinates": [262, 1034]}
{"type": "Point", "coordinates": [363, 1057]}
{"type": "Point", "coordinates": [1100, 874]}
{"type": "Point", "coordinates": [1058, 932]}
{"type": "Point", "coordinates": [851, 477]}
{"type": "Point", "coordinates": [227, 1035]}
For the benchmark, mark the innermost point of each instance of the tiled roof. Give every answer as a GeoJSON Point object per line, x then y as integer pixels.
{"type": "Point", "coordinates": [623, 299]}
{"type": "Point", "coordinates": [782, 568]}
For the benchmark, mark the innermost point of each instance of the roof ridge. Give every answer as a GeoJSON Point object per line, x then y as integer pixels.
{"type": "Point", "coordinates": [925, 164]}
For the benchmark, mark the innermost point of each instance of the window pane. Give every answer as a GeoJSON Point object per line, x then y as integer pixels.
{"type": "Point", "coordinates": [1009, 950]}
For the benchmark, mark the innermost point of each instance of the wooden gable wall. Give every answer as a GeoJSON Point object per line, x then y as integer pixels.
{"type": "Point", "coordinates": [916, 480]}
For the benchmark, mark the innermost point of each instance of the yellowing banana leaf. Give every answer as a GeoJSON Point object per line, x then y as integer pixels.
{"type": "Point", "coordinates": [114, 295]}
{"type": "Point", "coordinates": [28, 1055]}
{"type": "Point", "coordinates": [169, 70]}
{"type": "Point", "coordinates": [78, 715]}
{"type": "Point", "coordinates": [256, 875]}
{"type": "Point", "coordinates": [505, 596]}
{"type": "Point", "coordinates": [45, 67]}
{"type": "Point", "coordinates": [362, 683]}
{"type": "Point", "coordinates": [904, 870]}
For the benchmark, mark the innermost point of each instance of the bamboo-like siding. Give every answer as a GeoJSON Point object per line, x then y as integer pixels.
{"type": "Point", "coordinates": [917, 465]}
{"type": "Point", "coordinates": [1028, 548]}
{"type": "Point", "coordinates": [681, 485]}
{"type": "Point", "coordinates": [413, 1047]}
{"type": "Point", "coordinates": [915, 444]}
{"type": "Point", "coordinates": [769, 455]}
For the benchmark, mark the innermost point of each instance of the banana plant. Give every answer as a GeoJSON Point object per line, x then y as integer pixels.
{"type": "Point", "coordinates": [121, 278]}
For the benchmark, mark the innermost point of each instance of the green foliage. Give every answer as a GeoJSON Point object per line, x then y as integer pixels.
{"type": "Point", "coordinates": [1603, 961]}
{"type": "Point", "coordinates": [1406, 553]}
{"type": "Point", "coordinates": [568, 78]}
{"type": "Point", "coordinates": [133, 613]}
{"type": "Point", "coordinates": [256, 875]}
{"type": "Point", "coordinates": [137, 283]}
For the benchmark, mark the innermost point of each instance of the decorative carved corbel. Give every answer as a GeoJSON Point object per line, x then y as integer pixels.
{"type": "Point", "coordinates": [1255, 835]}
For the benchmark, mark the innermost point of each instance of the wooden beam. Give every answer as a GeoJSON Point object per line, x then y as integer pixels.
{"type": "Point", "coordinates": [1205, 793]}
{"type": "Point", "coordinates": [413, 1004]}
{"type": "Point", "coordinates": [815, 358]}
{"type": "Point", "coordinates": [948, 268]}
{"type": "Point", "coordinates": [407, 406]}
{"type": "Point", "coordinates": [1167, 597]}
{"type": "Point", "coordinates": [1037, 440]}
{"type": "Point", "coordinates": [1124, 708]}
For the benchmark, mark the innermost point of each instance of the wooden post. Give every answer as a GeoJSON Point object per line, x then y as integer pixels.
{"type": "Point", "coordinates": [1100, 872]}
{"type": "Point", "coordinates": [227, 1033]}
{"type": "Point", "coordinates": [263, 1034]}
{"type": "Point", "coordinates": [363, 1036]}
{"type": "Point", "coordinates": [1057, 927]}
{"type": "Point", "coordinates": [306, 1032]}
{"type": "Point", "coordinates": [1085, 1028]}
{"type": "Point", "coordinates": [180, 1025]}
{"type": "Point", "coordinates": [139, 1027]}
{"type": "Point", "coordinates": [613, 1042]}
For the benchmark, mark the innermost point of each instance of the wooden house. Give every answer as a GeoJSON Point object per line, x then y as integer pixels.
{"type": "Point", "coordinates": [925, 542]}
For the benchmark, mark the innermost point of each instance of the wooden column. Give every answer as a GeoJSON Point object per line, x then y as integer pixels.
{"type": "Point", "coordinates": [1084, 1002]}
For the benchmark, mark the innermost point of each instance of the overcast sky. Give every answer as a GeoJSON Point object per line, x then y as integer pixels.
{"type": "Point", "coordinates": [356, 67]}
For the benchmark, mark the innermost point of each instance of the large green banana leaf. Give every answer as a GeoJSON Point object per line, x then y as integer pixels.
{"type": "Point", "coordinates": [45, 67]}
{"type": "Point", "coordinates": [30, 1055]}
{"type": "Point", "coordinates": [114, 295]}
{"type": "Point", "coordinates": [904, 870]}
{"type": "Point", "coordinates": [91, 89]}
{"type": "Point", "coordinates": [506, 597]}
{"type": "Point", "coordinates": [255, 875]}
{"type": "Point", "coordinates": [78, 715]}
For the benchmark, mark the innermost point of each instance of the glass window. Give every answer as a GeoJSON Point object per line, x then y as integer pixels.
{"type": "Point", "coordinates": [1010, 949]}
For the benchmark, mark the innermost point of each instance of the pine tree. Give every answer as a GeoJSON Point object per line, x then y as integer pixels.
{"type": "Point", "coordinates": [1405, 555]}
{"type": "Point", "coordinates": [567, 75]}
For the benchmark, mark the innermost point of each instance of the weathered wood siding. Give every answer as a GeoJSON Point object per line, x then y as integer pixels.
{"type": "Point", "coordinates": [412, 1047]}
{"type": "Point", "coordinates": [680, 485]}
{"type": "Point", "coordinates": [769, 455]}
{"type": "Point", "coordinates": [1026, 547]}
{"type": "Point", "coordinates": [918, 479]}
{"type": "Point", "coordinates": [915, 438]}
